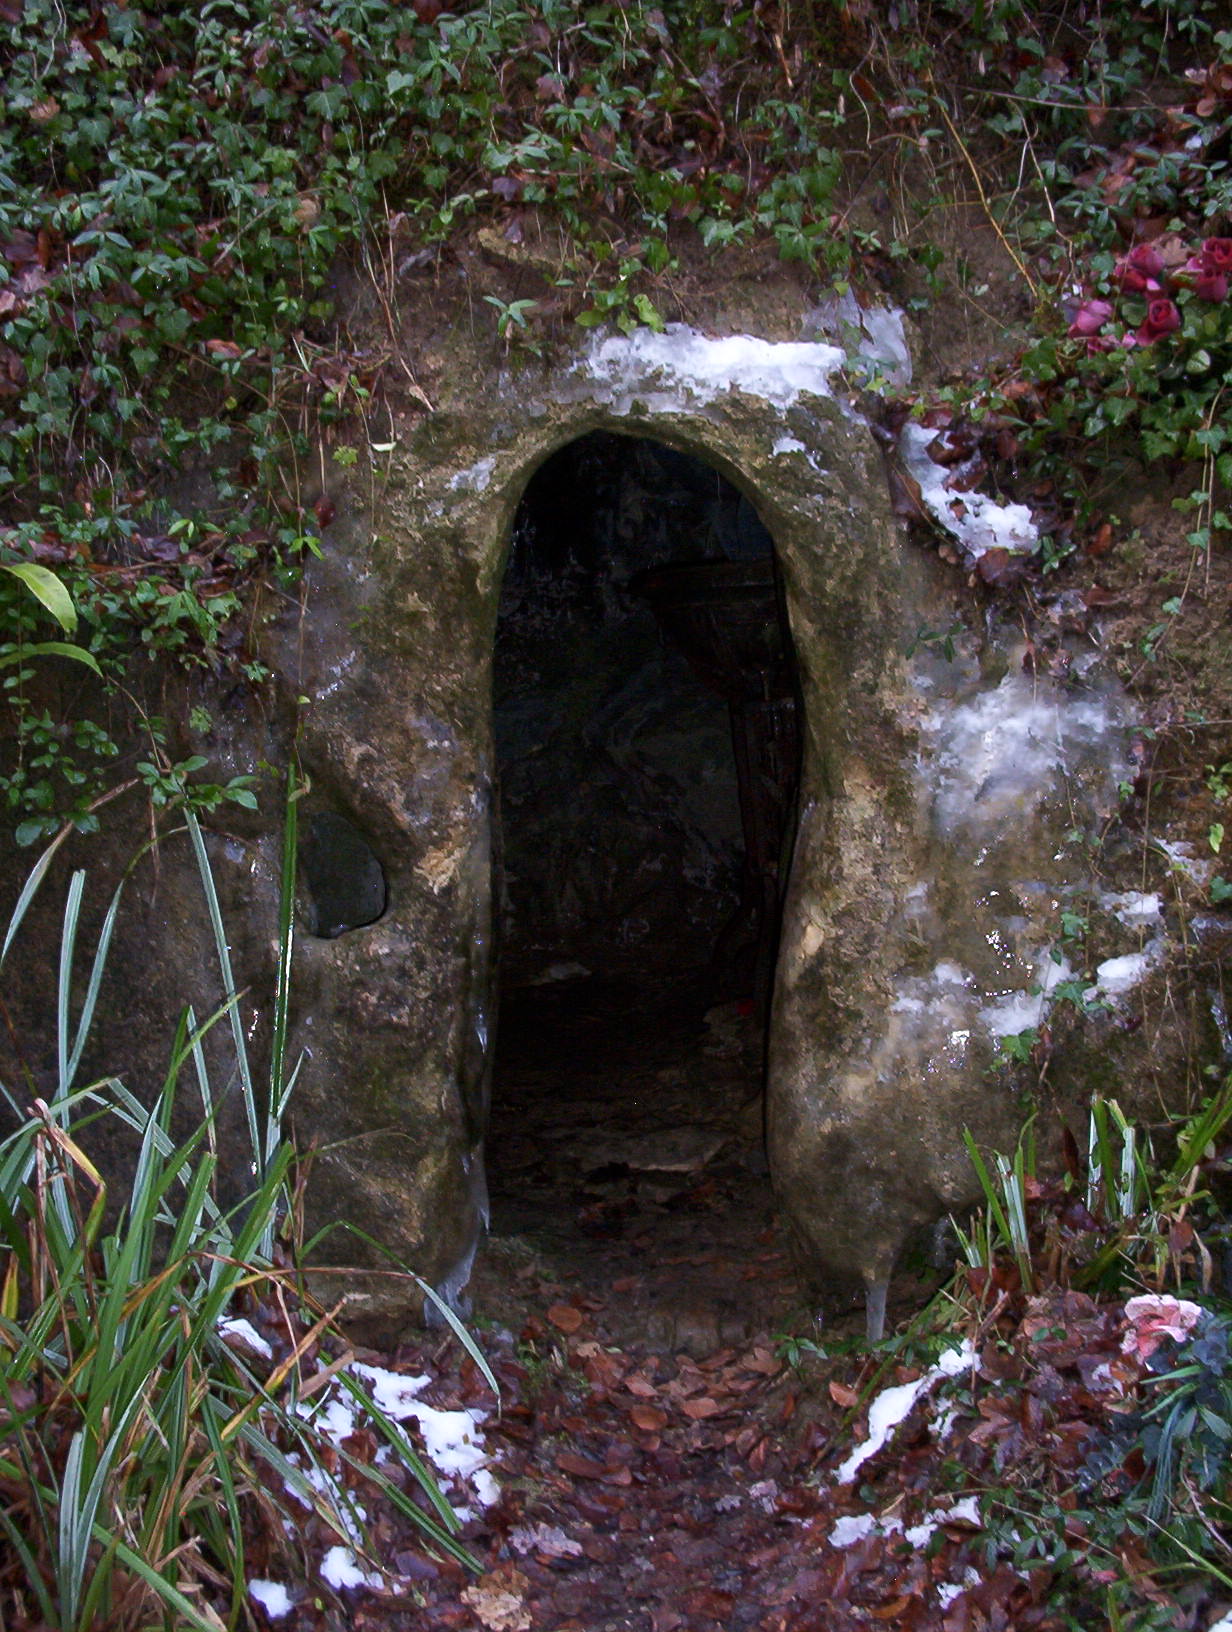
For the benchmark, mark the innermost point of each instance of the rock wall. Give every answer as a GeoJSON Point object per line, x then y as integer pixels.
{"type": "Point", "coordinates": [926, 873]}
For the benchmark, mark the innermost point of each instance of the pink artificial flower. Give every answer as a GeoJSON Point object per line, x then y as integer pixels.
{"type": "Point", "coordinates": [1217, 255]}
{"type": "Point", "coordinates": [1151, 1318]}
{"type": "Point", "coordinates": [1162, 318]}
{"type": "Point", "coordinates": [1089, 319]}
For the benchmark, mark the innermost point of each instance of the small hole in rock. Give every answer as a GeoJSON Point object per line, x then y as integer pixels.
{"type": "Point", "coordinates": [343, 880]}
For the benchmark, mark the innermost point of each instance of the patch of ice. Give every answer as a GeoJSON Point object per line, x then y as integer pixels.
{"type": "Point", "coordinates": [272, 1596]}
{"type": "Point", "coordinates": [978, 522]}
{"type": "Point", "coordinates": [681, 361]}
{"type": "Point", "coordinates": [787, 444]}
{"type": "Point", "coordinates": [1133, 907]}
{"type": "Point", "coordinates": [1116, 976]}
{"type": "Point", "coordinates": [246, 1334]}
{"type": "Point", "coordinates": [992, 757]}
{"type": "Point", "coordinates": [475, 477]}
{"type": "Point", "coordinates": [340, 1568]}
{"type": "Point", "coordinates": [894, 1404]}
{"type": "Point", "coordinates": [873, 337]}
{"type": "Point", "coordinates": [1183, 860]}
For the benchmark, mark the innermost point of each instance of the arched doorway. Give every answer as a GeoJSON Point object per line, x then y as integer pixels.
{"type": "Point", "coordinates": [646, 742]}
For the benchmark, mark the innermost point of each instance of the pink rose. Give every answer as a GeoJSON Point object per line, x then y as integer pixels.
{"type": "Point", "coordinates": [1089, 318]}
{"type": "Point", "coordinates": [1151, 1318]}
{"type": "Point", "coordinates": [1162, 318]}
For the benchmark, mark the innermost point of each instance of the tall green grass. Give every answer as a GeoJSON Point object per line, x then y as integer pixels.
{"type": "Point", "coordinates": [141, 1454]}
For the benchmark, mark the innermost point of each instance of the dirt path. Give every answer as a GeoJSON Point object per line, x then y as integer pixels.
{"type": "Point", "coordinates": [658, 1459]}
{"type": "Point", "coordinates": [626, 1163]}
{"type": "Point", "coordinates": [658, 1464]}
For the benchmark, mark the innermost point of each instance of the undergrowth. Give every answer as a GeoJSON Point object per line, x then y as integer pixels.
{"type": "Point", "coordinates": [181, 196]}
{"type": "Point", "coordinates": [1099, 1305]}
{"type": "Point", "coordinates": [153, 1457]}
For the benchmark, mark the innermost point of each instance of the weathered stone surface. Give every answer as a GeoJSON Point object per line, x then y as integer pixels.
{"type": "Point", "coordinates": [927, 868]}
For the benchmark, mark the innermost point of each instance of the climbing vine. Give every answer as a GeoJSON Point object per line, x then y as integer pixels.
{"type": "Point", "coordinates": [182, 191]}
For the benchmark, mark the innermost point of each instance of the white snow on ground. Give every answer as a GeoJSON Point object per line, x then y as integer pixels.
{"type": "Point", "coordinates": [1115, 976]}
{"type": "Point", "coordinates": [966, 1511]}
{"type": "Point", "coordinates": [340, 1568]}
{"type": "Point", "coordinates": [272, 1596]}
{"type": "Point", "coordinates": [452, 1443]}
{"type": "Point", "coordinates": [452, 1439]}
{"type": "Point", "coordinates": [894, 1404]}
{"type": "Point", "coordinates": [978, 522]}
{"type": "Point", "coordinates": [247, 1336]}
{"type": "Point", "coordinates": [681, 361]}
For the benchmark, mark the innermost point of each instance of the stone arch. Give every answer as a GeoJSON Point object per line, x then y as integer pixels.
{"type": "Point", "coordinates": [406, 712]}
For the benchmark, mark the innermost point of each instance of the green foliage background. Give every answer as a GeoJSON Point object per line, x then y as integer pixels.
{"type": "Point", "coordinates": [181, 187]}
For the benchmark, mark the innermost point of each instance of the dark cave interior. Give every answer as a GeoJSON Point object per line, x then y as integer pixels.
{"type": "Point", "coordinates": [646, 733]}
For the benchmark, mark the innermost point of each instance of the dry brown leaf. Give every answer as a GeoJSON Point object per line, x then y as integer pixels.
{"type": "Point", "coordinates": [565, 1317]}
{"type": "Point", "coordinates": [641, 1386]}
{"type": "Point", "coordinates": [496, 1606]}
{"type": "Point", "coordinates": [649, 1418]}
{"type": "Point", "coordinates": [700, 1408]}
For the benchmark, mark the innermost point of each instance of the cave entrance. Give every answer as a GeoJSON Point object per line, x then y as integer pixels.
{"type": "Point", "coordinates": [646, 725]}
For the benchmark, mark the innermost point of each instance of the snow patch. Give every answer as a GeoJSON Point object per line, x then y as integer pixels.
{"type": "Point", "coordinates": [979, 522]}
{"type": "Point", "coordinates": [247, 1336]}
{"type": "Point", "coordinates": [894, 1404]}
{"type": "Point", "coordinates": [1115, 976]}
{"type": "Point", "coordinates": [340, 1568]}
{"type": "Point", "coordinates": [853, 1527]}
{"type": "Point", "coordinates": [272, 1596]}
{"type": "Point", "coordinates": [681, 361]}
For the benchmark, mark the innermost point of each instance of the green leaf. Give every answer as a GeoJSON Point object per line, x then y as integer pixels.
{"type": "Point", "coordinates": [48, 590]}
{"type": "Point", "coordinates": [52, 648]}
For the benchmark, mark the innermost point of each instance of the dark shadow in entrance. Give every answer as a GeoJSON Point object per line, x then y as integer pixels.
{"type": "Point", "coordinates": [646, 735]}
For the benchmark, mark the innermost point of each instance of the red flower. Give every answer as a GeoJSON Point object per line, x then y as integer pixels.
{"type": "Point", "coordinates": [1141, 270]}
{"type": "Point", "coordinates": [1162, 318]}
{"type": "Point", "coordinates": [1208, 280]}
{"type": "Point", "coordinates": [1217, 255]}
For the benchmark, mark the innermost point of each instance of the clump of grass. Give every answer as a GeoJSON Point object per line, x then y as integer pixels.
{"type": "Point", "coordinates": [145, 1452]}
